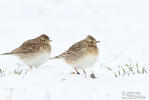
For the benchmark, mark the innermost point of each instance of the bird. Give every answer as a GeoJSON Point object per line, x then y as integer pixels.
{"type": "Point", "coordinates": [82, 54]}
{"type": "Point", "coordinates": [33, 52]}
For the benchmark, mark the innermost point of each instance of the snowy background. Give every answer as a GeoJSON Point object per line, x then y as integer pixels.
{"type": "Point", "coordinates": [122, 26]}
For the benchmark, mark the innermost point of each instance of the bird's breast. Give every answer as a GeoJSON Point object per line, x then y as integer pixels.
{"type": "Point", "coordinates": [37, 58]}
{"type": "Point", "coordinates": [85, 61]}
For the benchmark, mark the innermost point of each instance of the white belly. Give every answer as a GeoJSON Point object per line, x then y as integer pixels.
{"type": "Point", "coordinates": [37, 59]}
{"type": "Point", "coordinates": [85, 62]}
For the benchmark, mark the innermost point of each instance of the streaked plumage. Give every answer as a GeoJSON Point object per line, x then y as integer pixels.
{"type": "Point", "coordinates": [33, 52]}
{"type": "Point", "coordinates": [82, 54]}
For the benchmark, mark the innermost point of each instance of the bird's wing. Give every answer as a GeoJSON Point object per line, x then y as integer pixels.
{"type": "Point", "coordinates": [29, 46]}
{"type": "Point", "coordinates": [76, 49]}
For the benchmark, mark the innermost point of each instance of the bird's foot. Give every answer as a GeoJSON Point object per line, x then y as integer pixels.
{"type": "Point", "coordinates": [30, 67]}
{"type": "Point", "coordinates": [75, 73]}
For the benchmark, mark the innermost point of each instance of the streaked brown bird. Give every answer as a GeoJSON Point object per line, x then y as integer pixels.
{"type": "Point", "coordinates": [82, 54]}
{"type": "Point", "coordinates": [33, 52]}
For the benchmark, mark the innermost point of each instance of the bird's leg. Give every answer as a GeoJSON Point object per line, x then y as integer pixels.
{"type": "Point", "coordinates": [30, 67]}
{"type": "Point", "coordinates": [76, 70]}
{"type": "Point", "coordinates": [84, 72]}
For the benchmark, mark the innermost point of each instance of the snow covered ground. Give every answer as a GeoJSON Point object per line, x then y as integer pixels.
{"type": "Point", "coordinates": [121, 26]}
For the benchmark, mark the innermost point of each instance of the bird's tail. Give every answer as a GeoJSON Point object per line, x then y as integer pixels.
{"type": "Point", "coordinates": [56, 57]}
{"type": "Point", "coordinates": [9, 53]}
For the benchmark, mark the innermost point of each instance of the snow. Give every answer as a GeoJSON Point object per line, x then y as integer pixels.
{"type": "Point", "coordinates": [121, 26]}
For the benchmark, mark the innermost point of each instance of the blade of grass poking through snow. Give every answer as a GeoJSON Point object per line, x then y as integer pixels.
{"type": "Point", "coordinates": [128, 69]}
{"type": "Point", "coordinates": [137, 65]}
{"type": "Point", "coordinates": [109, 68]}
{"type": "Point", "coordinates": [119, 72]}
{"type": "Point", "coordinates": [115, 75]}
{"type": "Point", "coordinates": [131, 65]}
{"type": "Point", "coordinates": [26, 71]}
{"type": "Point", "coordinates": [123, 70]}
{"type": "Point", "coordinates": [144, 70]}
{"type": "Point", "coordinates": [112, 71]}
{"type": "Point", "coordinates": [131, 69]}
{"type": "Point", "coordinates": [0, 71]}
{"type": "Point", "coordinates": [18, 71]}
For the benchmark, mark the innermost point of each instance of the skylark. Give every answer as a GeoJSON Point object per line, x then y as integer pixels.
{"type": "Point", "coordinates": [33, 52]}
{"type": "Point", "coordinates": [82, 54]}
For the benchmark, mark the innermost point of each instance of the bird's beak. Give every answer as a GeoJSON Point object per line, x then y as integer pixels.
{"type": "Point", "coordinates": [49, 41]}
{"type": "Point", "coordinates": [98, 41]}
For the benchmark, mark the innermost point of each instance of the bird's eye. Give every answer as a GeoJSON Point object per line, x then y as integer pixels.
{"type": "Point", "coordinates": [92, 41]}
{"type": "Point", "coordinates": [44, 40]}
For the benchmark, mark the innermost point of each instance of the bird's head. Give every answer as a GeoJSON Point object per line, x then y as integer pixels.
{"type": "Point", "coordinates": [91, 40]}
{"type": "Point", "coordinates": [44, 38]}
